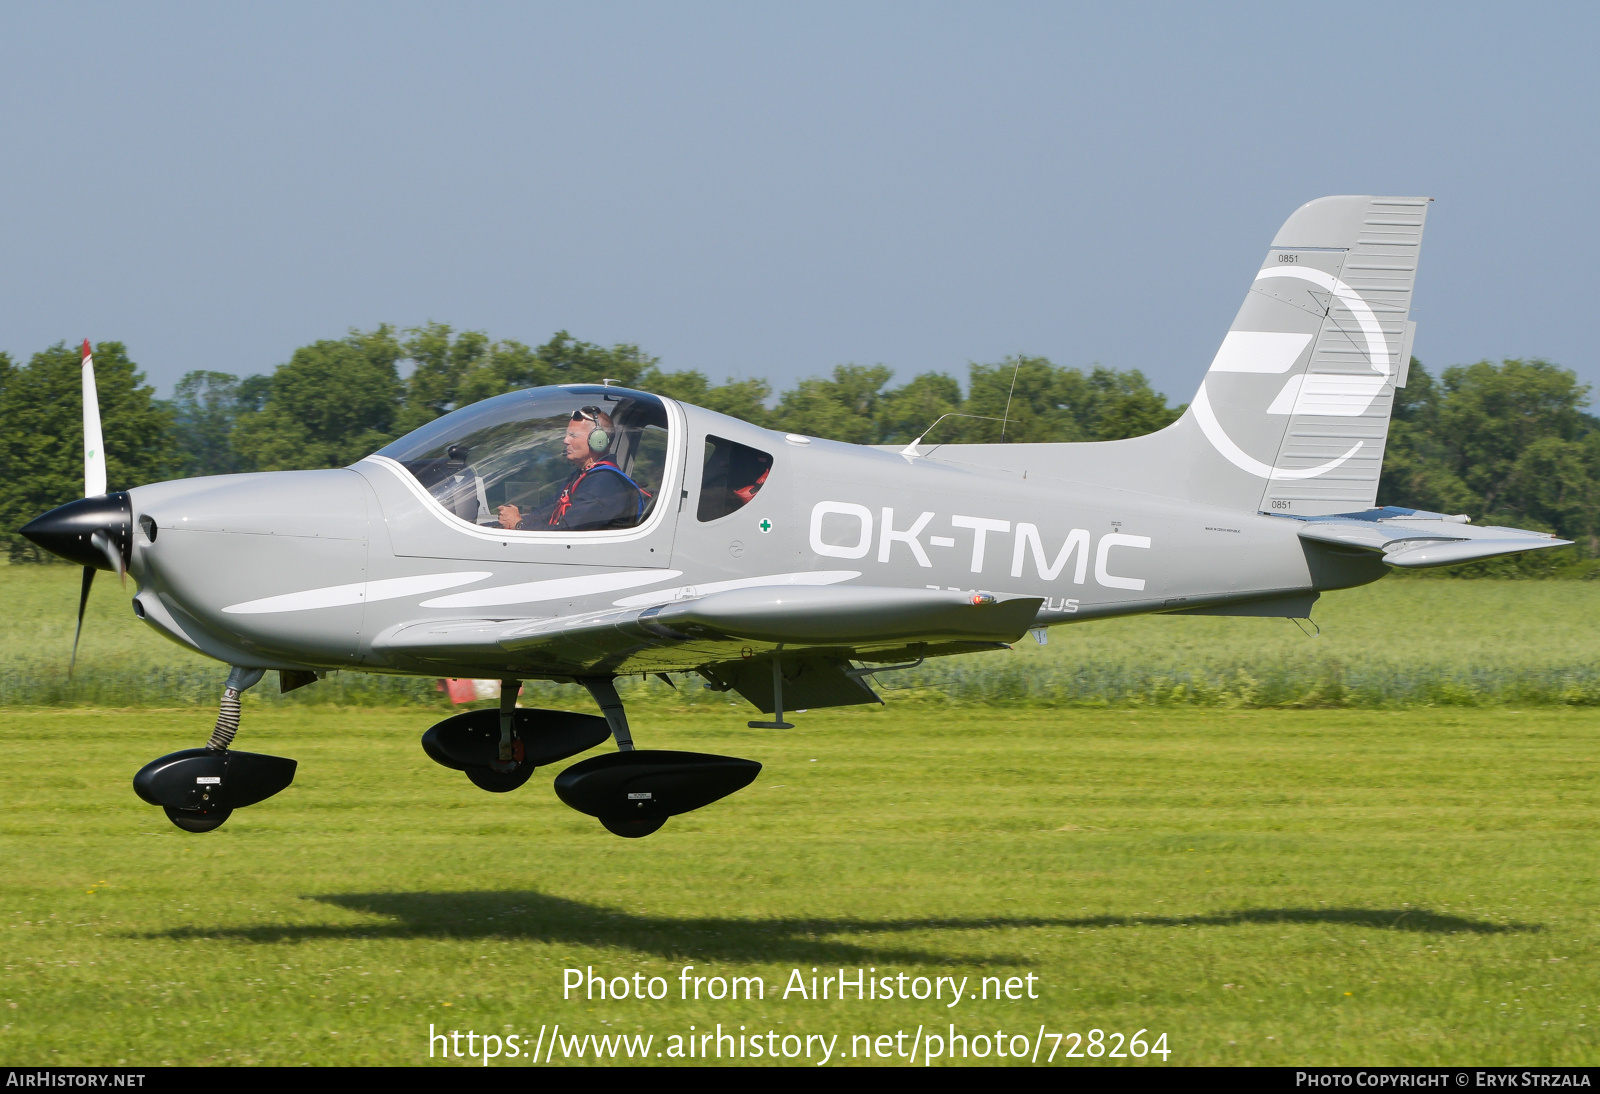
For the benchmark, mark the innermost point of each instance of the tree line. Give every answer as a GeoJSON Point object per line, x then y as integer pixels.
{"type": "Point", "coordinates": [1507, 443]}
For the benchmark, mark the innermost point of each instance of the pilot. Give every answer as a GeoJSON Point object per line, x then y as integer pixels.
{"type": "Point", "coordinates": [598, 494]}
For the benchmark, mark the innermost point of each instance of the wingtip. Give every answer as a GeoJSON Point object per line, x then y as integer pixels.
{"type": "Point", "coordinates": [87, 352]}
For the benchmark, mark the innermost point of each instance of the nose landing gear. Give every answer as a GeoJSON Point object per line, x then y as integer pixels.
{"type": "Point", "coordinates": [199, 788]}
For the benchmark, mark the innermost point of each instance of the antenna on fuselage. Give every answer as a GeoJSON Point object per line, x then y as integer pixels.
{"type": "Point", "coordinates": [1009, 394]}
{"type": "Point", "coordinates": [911, 449]}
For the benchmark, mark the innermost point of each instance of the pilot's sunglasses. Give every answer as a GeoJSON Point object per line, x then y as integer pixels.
{"type": "Point", "coordinates": [587, 414]}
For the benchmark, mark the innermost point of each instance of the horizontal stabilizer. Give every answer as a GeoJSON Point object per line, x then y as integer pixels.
{"type": "Point", "coordinates": [1415, 540]}
{"type": "Point", "coordinates": [1421, 556]}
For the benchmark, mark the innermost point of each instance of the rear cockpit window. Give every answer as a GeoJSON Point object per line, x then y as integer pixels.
{"type": "Point", "coordinates": [733, 475]}
{"type": "Point", "coordinates": [546, 459]}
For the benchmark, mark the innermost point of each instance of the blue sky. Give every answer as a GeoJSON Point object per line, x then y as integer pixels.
{"type": "Point", "coordinates": [770, 189]}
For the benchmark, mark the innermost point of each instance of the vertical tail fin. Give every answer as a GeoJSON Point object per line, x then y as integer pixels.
{"type": "Point", "coordinates": [1293, 415]}
{"type": "Point", "coordinates": [1294, 412]}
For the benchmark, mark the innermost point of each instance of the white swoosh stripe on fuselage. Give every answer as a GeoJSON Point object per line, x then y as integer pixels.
{"type": "Point", "coordinates": [558, 588]}
{"type": "Point", "coordinates": [338, 596]}
{"type": "Point", "coordinates": [684, 592]}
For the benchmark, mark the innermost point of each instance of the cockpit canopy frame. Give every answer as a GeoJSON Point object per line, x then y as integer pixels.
{"type": "Point", "coordinates": [510, 450]}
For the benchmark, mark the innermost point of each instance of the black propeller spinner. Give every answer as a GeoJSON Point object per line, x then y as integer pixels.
{"type": "Point", "coordinates": [96, 533]}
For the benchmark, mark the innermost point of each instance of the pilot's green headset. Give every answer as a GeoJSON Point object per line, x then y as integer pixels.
{"type": "Point", "coordinates": [599, 437]}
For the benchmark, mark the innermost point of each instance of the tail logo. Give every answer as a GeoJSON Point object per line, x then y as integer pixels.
{"type": "Point", "coordinates": [1342, 396]}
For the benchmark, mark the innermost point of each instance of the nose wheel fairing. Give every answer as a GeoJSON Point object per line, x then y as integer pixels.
{"type": "Point", "coordinates": [201, 787]}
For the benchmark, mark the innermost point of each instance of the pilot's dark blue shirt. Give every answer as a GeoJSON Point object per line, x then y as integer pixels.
{"type": "Point", "coordinates": [601, 497]}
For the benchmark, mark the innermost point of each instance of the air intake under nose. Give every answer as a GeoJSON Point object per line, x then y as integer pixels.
{"type": "Point", "coordinates": [95, 531]}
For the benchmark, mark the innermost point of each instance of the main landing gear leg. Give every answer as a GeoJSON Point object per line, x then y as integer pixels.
{"type": "Point", "coordinates": [511, 765]}
{"type": "Point", "coordinates": [509, 690]}
{"type": "Point", "coordinates": [199, 788]}
{"type": "Point", "coordinates": [604, 690]}
{"type": "Point", "coordinates": [618, 822]}
{"type": "Point", "coordinates": [499, 749]}
{"type": "Point", "coordinates": [633, 791]}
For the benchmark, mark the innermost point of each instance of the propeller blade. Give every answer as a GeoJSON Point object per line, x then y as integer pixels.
{"type": "Point", "coordinates": [102, 543]}
{"type": "Point", "coordinates": [94, 447]}
{"type": "Point", "coordinates": [83, 602]}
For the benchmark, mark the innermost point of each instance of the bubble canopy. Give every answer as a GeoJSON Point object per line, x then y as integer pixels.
{"type": "Point", "coordinates": [512, 451]}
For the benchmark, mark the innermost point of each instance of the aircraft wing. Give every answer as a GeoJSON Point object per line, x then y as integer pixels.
{"type": "Point", "coordinates": [841, 621]}
{"type": "Point", "coordinates": [1413, 539]}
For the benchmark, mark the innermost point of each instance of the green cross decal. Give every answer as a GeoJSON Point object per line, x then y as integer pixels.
{"type": "Point", "coordinates": [765, 525]}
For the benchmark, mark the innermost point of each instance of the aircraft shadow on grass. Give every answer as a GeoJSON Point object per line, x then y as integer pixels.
{"type": "Point", "coordinates": [540, 917]}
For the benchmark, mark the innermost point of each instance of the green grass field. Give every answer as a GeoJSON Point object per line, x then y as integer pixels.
{"type": "Point", "coordinates": [1321, 877]}
{"type": "Point", "coordinates": [1262, 886]}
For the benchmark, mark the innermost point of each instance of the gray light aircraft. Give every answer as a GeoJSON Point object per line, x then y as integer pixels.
{"type": "Point", "coordinates": [585, 532]}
